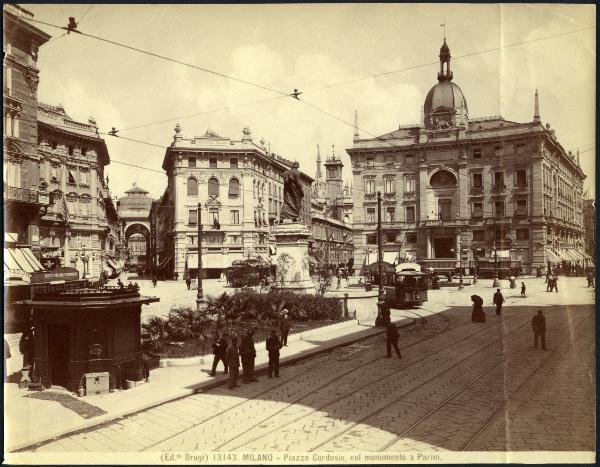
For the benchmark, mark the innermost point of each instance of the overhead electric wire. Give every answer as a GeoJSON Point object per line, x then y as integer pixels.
{"type": "Point", "coordinates": [85, 13]}
{"type": "Point", "coordinates": [164, 57]}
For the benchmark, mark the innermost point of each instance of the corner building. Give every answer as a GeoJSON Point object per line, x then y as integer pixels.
{"type": "Point", "coordinates": [240, 187]}
{"type": "Point", "coordinates": [453, 183]}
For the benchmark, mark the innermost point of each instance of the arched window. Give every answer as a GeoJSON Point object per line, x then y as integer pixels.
{"type": "Point", "coordinates": [234, 188]}
{"type": "Point", "coordinates": [213, 187]}
{"type": "Point", "coordinates": [192, 187]}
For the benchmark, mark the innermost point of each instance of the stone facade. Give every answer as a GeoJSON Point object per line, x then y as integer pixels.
{"type": "Point", "coordinates": [80, 228]}
{"type": "Point", "coordinates": [24, 199]}
{"type": "Point", "coordinates": [240, 188]}
{"type": "Point", "coordinates": [589, 225]}
{"type": "Point", "coordinates": [331, 240]}
{"type": "Point", "coordinates": [134, 215]}
{"type": "Point", "coordinates": [451, 183]}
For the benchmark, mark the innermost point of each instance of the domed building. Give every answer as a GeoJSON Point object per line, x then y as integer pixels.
{"type": "Point", "coordinates": [134, 213]}
{"type": "Point", "coordinates": [505, 194]}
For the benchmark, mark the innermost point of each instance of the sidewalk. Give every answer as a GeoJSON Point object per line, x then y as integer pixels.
{"type": "Point", "coordinates": [30, 420]}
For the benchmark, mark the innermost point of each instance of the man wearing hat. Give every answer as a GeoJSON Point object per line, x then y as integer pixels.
{"type": "Point", "coordinates": [273, 346]}
{"type": "Point", "coordinates": [284, 327]}
{"type": "Point", "coordinates": [248, 355]}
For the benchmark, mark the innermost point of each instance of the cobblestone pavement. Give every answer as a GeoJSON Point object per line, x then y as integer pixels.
{"type": "Point", "coordinates": [459, 386]}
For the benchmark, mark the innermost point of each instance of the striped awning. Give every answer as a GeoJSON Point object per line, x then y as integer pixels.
{"type": "Point", "coordinates": [552, 257]}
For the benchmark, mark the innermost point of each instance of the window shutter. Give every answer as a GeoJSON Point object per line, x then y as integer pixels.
{"type": "Point", "coordinates": [234, 187]}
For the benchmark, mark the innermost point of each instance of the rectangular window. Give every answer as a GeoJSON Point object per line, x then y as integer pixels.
{"type": "Point", "coordinates": [372, 239]}
{"type": "Point", "coordinates": [478, 235]}
{"type": "Point", "coordinates": [191, 162]}
{"type": "Point", "coordinates": [409, 185]}
{"type": "Point", "coordinates": [521, 207]}
{"type": "Point", "coordinates": [191, 239]}
{"type": "Point", "coordinates": [498, 150]}
{"type": "Point", "coordinates": [193, 217]}
{"type": "Point", "coordinates": [389, 186]}
{"type": "Point", "coordinates": [477, 210]}
{"type": "Point", "coordinates": [370, 187]}
{"type": "Point", "coordinates": [235, 217]}
{"type": "Point", "coordinates": [409, 158]}
{"type": "Point", "coordinates": [477, 180]}
{"type": "Point", "coordinates": [8, 82]}
{"type": "Point", "coordinates": [390, 214]}
{"type": "Point", "coordinates": [521, 147]}
{"type": "Point", "coordinates": [233, 163]}
{"type": "Point", "coordinates": [410, 213]}
{"type": "Point", "coordinates": [371, 215]}
{"type": "Point", "coordinates": [213, 216]}
{"type": "Point", "coordinates": [522, 234]}
{"type": "Point", "coordinates": [235, 239]}
{"type": "Point", "coordinates": [212, 163]}
{"type": "Point", "coordinates": [521, 177]}
{"type": "Point", "coordinates": [85, 209]}
{"type": "Point", "coordinates": [390, 238]}
{"type": "Point", "coordinates": [411, 238]}
{"type": "Point", "coordinates": [499, 208]}
{"type": "Point", "coordinates": [476, 153]}
{"type": "Point", "coordinates": [498, 180]}
{"type": "Point", "coordinates": [72, 177]}
{"type": "Point", "coordinates": [389, 159]}
{"type": "Point", "coordinates": [85, 178]}
{"type": "Point", "coordinates": [370, 161]}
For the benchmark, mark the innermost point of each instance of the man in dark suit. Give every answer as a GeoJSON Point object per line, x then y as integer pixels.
{"type": "Point", "coordinates": [233, 363]}
{"type": "Point", "coordinates": [219, 351]}
{"type": "Point", "coordinates": [273, 346]}
{"type": "Point", "coordinates": [392, 340]}
{"type": "Point", "coordinates": [284, 327]}
{"type": "Point", "coordinates": [498, 301]}
{"type": "Point", "coordinates": [248, 355]}
{"type": "Point", "coordinates": [538, 324]}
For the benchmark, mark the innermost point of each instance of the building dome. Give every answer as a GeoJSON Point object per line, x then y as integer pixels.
{"type": "Point", "coordinates": [136, 199]}
{"type": "Point", "coordinates": [444, 94]}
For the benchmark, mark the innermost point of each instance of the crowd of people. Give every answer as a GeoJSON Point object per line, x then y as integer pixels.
{"type": "Point", "coordinates": [234, 352]}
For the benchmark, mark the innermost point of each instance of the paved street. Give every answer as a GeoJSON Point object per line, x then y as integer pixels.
{"type": "Point", "coordinates": [459, 386]}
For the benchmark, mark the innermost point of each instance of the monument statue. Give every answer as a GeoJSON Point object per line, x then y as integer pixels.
{"type": "Point", "coordinates": [293, 193]}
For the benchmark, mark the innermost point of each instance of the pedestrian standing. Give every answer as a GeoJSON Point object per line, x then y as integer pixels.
{"type": "Point", "coordinates": [219, 350]}
{"type": "Point", "coordinates": [248, 355]}
{"type": "Point", "coordinates": [538, 323]}
{"type": "Point", "coordinates": [523, 289]}
{"type": "Point", "coordinates": [188, 282]}
{"type": "Point", "coordinates": [554, 284]}
{"type": "Point", "coordinates": [120, 283]}
{"type": "Point", "coordinates": [498, 301]}
{"type": "Point", "coordinates": [284, 327]}
{"type": "Point", "coordinates": [478, 315]}
{"type": "Point", "coordinates": [391, 340]}
{"type": "Point", "coordinates": [273, 346]}
{"type": "Point", "coordinates": [154, 280]}
{"type": "Point", "coordinates": [233, 363]}
{"type": "Point", "coordinates": [176, 275]}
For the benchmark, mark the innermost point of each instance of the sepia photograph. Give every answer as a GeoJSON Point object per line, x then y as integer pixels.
{"type": "Point", "coordinates": [299, 233]}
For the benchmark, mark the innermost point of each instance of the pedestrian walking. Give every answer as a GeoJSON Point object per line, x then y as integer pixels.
{"type": "Point", "coordinates": [219, 351]}
{"type": "Point", "coordinates": [188, 282]}
{"type": "Point", "coordinates": [478, 315]}
{"type": "Point", "coordinates": [554, 285]}
{"type": "Point", "coordinates": [120, 283]}
{"type": "Point", "coordinates": [538, 324]}
{"type": "Point", "coordinates": [284, 327]}
{"type": "Point", "coordinates": [273, 346]}
{"type": "Point", "coordinates": [391, 340]}
{"type": "Point", "coordinates": [233, 363]}
{"type": "Point", "coordinates": [154, 280]}
{"type": "Point", "coordinates": [498, 301]}
{"type": "Point", "coordinates": [513, 281]}
{"type": "Point", "coordinates": [523, 289]}
{"type": "Point", "coordinates": [248, 355]}
{"type": "Point", "coordinates": [176, 275]}
{"type": "Point", "coordinates": [549, 279]}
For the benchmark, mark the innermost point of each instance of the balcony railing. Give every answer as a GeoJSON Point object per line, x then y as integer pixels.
{"type": "Point", "coordinates": [13, 193]}
{"type": "Point", "coordinates": [444, 222]}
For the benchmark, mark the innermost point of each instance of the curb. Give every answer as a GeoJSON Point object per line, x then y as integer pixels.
{"type": "Point", "coordinates": [203, 387]}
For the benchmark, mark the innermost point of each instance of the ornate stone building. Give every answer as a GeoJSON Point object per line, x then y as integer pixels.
{"type": "Point", "coordinates": [589, 223]}
{"type": "Point", "coordinates": [24, 198]}
{"type": "Point", "coordinates": [134, 215]}
{"type": "Point", "coordinates": [453, 183]}
{"type": "Point", "coordinates": [80, 228]}
{"type": "Point", "coordinates": [240, 187]}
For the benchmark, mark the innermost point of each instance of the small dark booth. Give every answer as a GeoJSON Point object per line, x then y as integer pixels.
{"type": "Point", "coordinates": [87, 330]}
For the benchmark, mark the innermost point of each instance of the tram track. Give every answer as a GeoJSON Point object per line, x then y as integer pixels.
{"type": "Point", "coordinates": [349, 393]}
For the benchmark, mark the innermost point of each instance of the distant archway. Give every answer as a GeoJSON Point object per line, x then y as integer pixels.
{"type": "Point", "coordinates": [135, 234]}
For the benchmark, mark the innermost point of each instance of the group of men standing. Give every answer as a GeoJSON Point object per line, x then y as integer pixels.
{"type": "Point", "coordinates": [233, 355]}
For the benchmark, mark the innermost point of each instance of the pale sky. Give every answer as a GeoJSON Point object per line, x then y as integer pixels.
{"type": "Point", "coordinates": [305, 47]}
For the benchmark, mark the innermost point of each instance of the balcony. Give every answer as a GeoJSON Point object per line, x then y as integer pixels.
{"type": "Point", "coordinates": [13, 193]}
{"type": "Point", "coordinates": [444, 222]}
{"type": "Point", "coordinates": [500, 219]}
{"type": "Point", "coordinates": [477, 190]}
{"type": "Point", "coordinates": [521, 188]}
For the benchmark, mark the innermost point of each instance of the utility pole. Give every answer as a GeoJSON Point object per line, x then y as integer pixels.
{"type": "Point", "coordinates": [460, 269]}
{"type": "Point", "coordinates": [380, 321]}
{"type": "Point", "coordinates": [200, 295]}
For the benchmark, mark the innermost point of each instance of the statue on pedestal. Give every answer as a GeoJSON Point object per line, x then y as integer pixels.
{"type": "Point", "coordinates": [293, 193]}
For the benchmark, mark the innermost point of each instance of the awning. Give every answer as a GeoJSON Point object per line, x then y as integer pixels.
{"type": "Point", "coordinates": [11, 237]}
{"type": "Point", "coordinates": [501, 254]}
{"type": "Point", "coordinates": [192, 261]}
{"type": "Point", "coordinates": [32, 259]}
{"type": "Point", "coordinates": [563, 255]}
{"type": "Point", "coordinates": [111, 264]}
{"type": "Point", "coordinates": [575, 254]}
{"type": "Point", "coordinates": [24, 259]}
{"type": "Point", "coordinates": [390, 257]}
{"type": "Point", "coordinates": [552, 257]}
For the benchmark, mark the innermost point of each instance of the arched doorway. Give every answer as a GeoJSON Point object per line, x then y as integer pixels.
{"type": "Point", "coordinates": [137, 242]}
{"type": "Point", "coordinates": [442, 201]}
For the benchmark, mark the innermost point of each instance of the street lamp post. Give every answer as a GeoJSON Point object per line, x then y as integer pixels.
{"type": "Point", "coordinates": [460, 269]}
{"type": "Point", "coordinates": [496, 282]}
{"type": "Point", "coordinates": [200, 295]}
{"type": "Point", "coordinates": [380, 321]}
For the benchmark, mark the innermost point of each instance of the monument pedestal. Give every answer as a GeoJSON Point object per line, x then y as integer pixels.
{"type": "Point", "coordinates": [292, 258]}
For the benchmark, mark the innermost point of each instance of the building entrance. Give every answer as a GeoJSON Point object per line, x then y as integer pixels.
{"type": "Point", "coordinates": [58, 353]}
{"type": "Point", "coordinates": [443, 247]}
